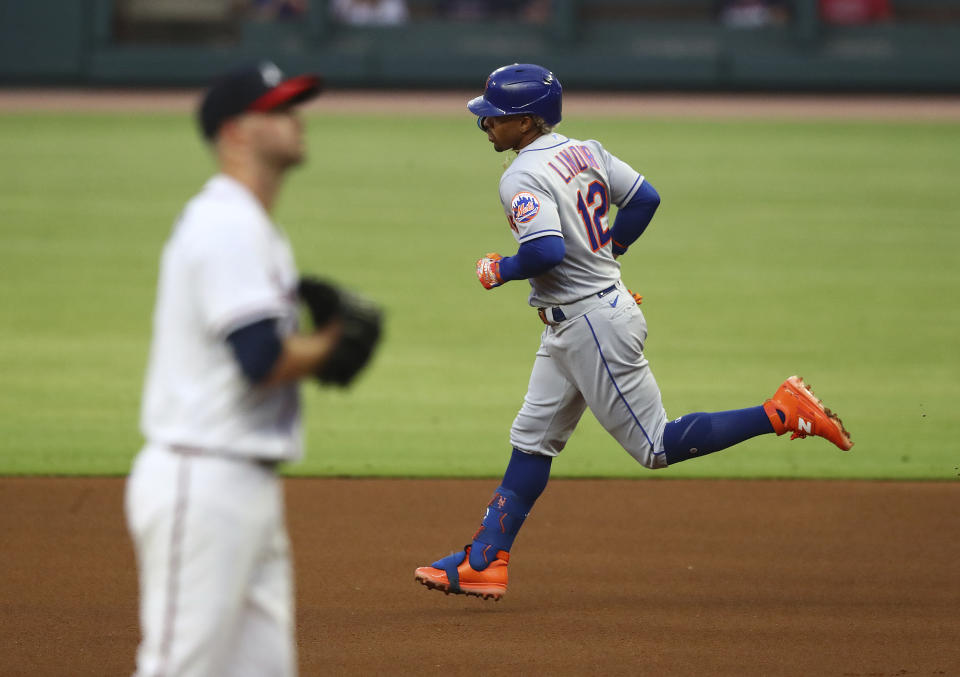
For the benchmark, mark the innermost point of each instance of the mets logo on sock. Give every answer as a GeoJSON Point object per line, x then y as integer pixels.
{"type": "Point", "coordinates": [524, 206]}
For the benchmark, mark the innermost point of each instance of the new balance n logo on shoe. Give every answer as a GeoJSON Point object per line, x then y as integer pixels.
{"type": "Point", "coordinates": [794, 408]}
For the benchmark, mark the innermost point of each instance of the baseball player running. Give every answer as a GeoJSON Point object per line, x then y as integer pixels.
{"type": "Point", "coordinates": [557, 196]}
{"type": "Point", "coordinates": [220, 409]}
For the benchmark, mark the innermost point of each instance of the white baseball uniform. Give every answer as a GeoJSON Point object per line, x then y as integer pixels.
{"type": "Point", "coordinates": [591, 352]}
{"type": "Point", "coordinates": [204, 504]}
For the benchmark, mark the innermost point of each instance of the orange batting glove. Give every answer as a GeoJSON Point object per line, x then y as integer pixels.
{"type": "Point", "coordinates": [636, 297]}
{"type": "Point", "coordinates": [488, 271]}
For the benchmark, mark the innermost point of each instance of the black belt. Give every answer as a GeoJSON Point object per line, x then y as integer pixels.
{"type": "Point", "coordinates": [184, 450]}
{"type": "Point", "coordinates": [556, 312]}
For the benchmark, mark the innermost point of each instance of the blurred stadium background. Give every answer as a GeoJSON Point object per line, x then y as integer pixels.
{"type": "Point", "coordinates": [824, 45]}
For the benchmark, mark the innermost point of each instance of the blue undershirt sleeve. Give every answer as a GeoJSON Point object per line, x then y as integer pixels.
{"type": "Point", "coordinates": [257, 348]}
{"type": "Point", "coordinates": [634, 217]}
{"type": "Point", "coordinates": [534, 257]}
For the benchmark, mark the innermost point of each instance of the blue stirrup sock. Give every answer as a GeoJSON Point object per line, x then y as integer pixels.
{"type": "Point", "coordinates": [698, 434]}
{"type": "Point", "coordinates": [523, 482]}
{"type": "Point", "coordinates": [527, 475]}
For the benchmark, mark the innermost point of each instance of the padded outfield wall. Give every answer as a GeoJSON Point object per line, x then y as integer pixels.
{"type": "Point", "coordinates": [600, 44]}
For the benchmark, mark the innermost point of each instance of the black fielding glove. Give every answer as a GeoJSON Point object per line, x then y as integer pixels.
{"type": "Point", "coordinates": [361, 322]}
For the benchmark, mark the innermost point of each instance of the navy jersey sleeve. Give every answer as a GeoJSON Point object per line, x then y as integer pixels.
{"type": "Point", "coordinates": [534, 257]}
{"type": "Point", "coordinates": [634, 217]}
{"type": "Point", "coordinates": [257, 348]}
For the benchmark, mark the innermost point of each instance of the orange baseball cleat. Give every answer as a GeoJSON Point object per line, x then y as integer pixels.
{"type": "Point", "coordinates": [453, 574]}
{"type": "Point", "coordinates": [804, 414]}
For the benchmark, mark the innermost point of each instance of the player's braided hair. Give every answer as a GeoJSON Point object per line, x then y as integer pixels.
{"type": "Point", "coordinates": [541, 124]}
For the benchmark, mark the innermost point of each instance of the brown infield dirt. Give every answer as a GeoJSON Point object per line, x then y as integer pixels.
{"type": "Point", "coordinates": [608, 577]}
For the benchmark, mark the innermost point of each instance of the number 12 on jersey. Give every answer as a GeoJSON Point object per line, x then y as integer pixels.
{"type": "Point", "coordinates": [593, 211]}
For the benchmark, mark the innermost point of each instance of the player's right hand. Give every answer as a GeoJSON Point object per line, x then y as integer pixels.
{"type": "Point", "coordinates": [488, 271]}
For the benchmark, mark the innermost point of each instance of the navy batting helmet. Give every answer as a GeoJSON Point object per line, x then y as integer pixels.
{"type": "Point", "coordinates": [518, 89]}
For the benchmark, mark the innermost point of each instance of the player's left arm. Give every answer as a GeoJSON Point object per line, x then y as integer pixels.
{"type": "Point", "coordinates": [267, 359]}
{"type": "Point", "coordinates": [304, 354]}
{"type": "Point", "coordinates": [533, 258]}
{"type": "Point", "coordinates": [535, 222]}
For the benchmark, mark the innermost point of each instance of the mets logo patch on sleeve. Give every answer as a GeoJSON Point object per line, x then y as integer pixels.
{"type": "Point", "coordinates": [524, 207]}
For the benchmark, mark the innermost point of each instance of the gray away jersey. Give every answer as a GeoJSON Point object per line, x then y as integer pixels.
{"type": "Point", "coordinates": [565, 187]}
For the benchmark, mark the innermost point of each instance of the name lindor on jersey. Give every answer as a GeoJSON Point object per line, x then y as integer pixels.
{"type": "Point", "coordinates": [572, 161]}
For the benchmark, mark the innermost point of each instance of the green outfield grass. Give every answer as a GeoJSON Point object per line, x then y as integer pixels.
{"type": "Point", "coordinates": [828, 249]}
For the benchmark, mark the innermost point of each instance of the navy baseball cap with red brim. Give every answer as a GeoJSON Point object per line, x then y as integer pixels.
{"type": "Point", "coordinates": [257, 88]}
